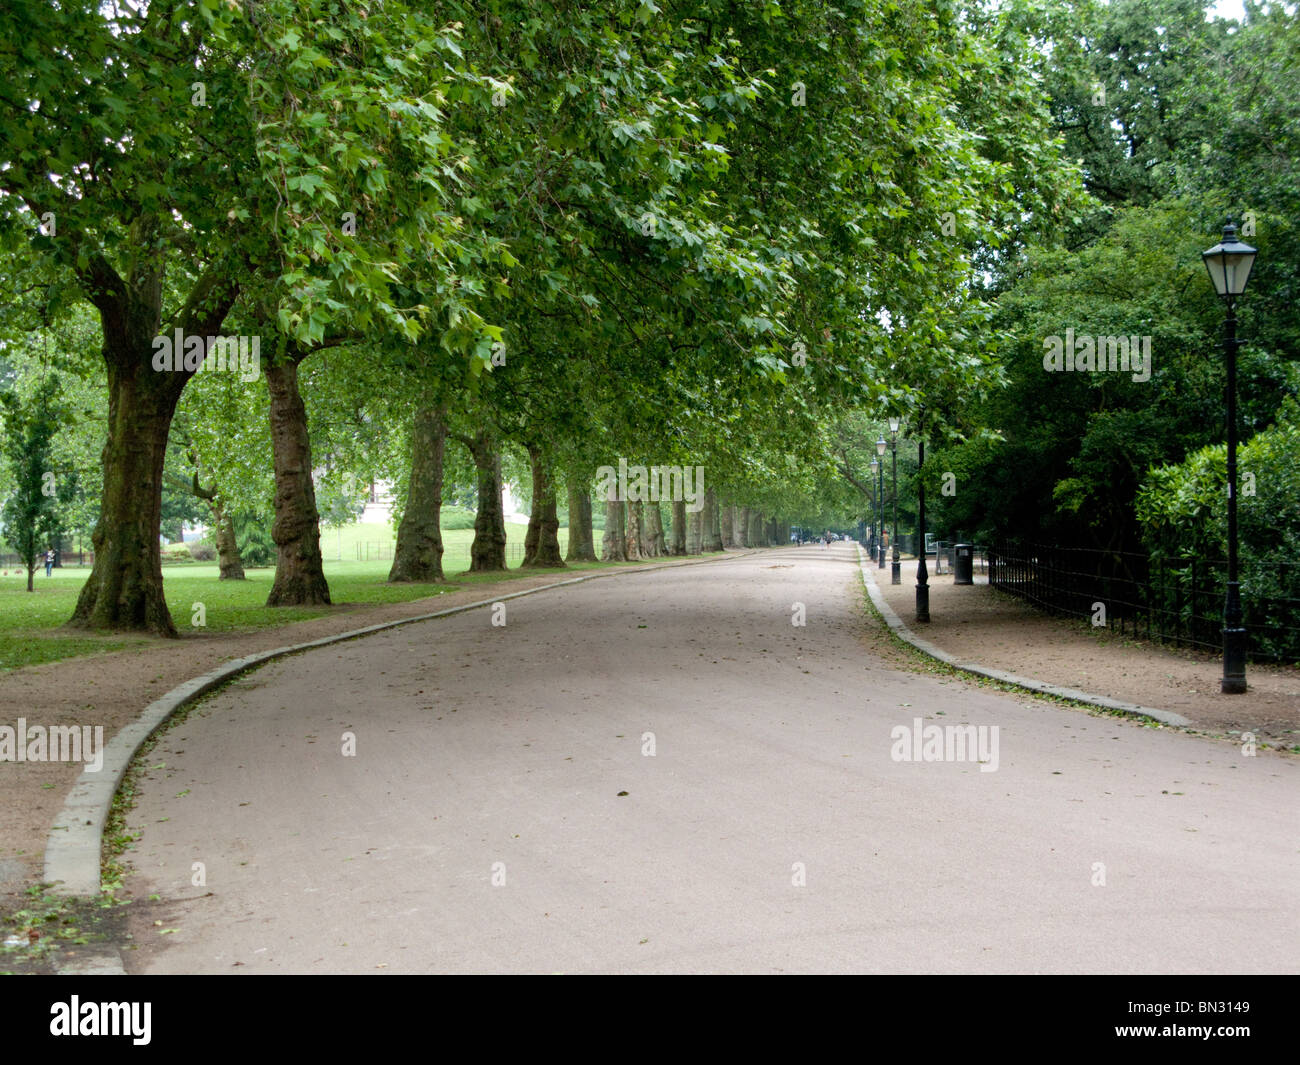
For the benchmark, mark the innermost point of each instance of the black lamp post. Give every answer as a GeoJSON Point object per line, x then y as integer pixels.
{"type": "Point", "coordinates": [922, 573]}
{"type": "Point", "coordinates": [875, 514]}
{"type": "Point", "coordinates": [896, 568]}
{"type": "Point", "coordinates": [1229, 264]}
{"type": "Point", "coordinates": [880, 453]}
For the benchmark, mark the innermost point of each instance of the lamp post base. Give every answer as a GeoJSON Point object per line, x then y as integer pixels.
{"type": "Point", "coordinates": [1234, 642]}
{"type": "Point", "coordinates": [1234, 661]}
{"type": "Point", "coordinates": [896, 572]}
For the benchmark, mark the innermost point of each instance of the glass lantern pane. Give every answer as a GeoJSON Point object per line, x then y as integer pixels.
{"type": "Point", "coordinates": [1214, 264]}
{"type": "Point", "coordinates": [1238, 272]}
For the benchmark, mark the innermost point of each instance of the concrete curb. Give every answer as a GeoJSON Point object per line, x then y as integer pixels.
{"type": "Point", "coordinates": [72, 849]}
{"type": "Point", "coordinates": [1167, 717]}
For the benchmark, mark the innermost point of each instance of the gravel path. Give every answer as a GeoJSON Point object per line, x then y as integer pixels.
{"type": "Point", "coordinates": [995, 629]}
{"type": "Point", "coordinates": [501, 813]}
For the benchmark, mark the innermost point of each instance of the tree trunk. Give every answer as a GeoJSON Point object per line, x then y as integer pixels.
{"type": "Point", "coordinates": [742, 528]}
{"type": "Point", "coordinates": [582, 547]}
{"type": "Point", "coordinates": [542, 541]}
{"type": "Point", "coordinates": [613, 545]}
{"type": "Point", "coordinates": [678, 545]}
{"type": "Point", "coordinates": [299, 575]}
{"type": "Point", "coordinates": [652, 531]}
{"type": "Point", "coordinates": [125, 589]}
{"type": "Point", "coordinates": [418, 555]}
{"type": "Point", "coordinates": [694, 532]}
{"type": "Point", "coordinates": [645, 542]}
{"type": "Point", "coordinates": [635, 523]}
{"type": "Point", "coordinates": [31, 572]}
{"type": "Point", "coordinates": [488, 552]}
{"type": "Point", "coordinates": [756, 529]}
{"type": "Point", "coordinates": [657, 540]}
{"type": "Point", "coordinates": [232, 566]}
{"type": "Point", "coordinates": [712, 530]}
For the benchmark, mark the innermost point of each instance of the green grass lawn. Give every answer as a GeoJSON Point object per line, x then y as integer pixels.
{"type": "Point", "coordinates": [30, 623]}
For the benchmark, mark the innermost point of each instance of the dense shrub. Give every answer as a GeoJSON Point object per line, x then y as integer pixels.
{"type": "Point", "coordinates": [1183, 511]}
{"type": "Point", "coordinates": [456, 518]}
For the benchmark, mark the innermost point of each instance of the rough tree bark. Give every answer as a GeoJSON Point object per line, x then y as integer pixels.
{"type": "Point", "coordinates": [678, 545]}
{"type": "Point", "coordinates": [614, 544]}
{"type": "Point", "coordinates": [635, 524]}
{"type": "Point", "coordinates": [231, 565]}
{"type": "Point", "coordinates": [742, 528]}
{"type": "Point", "coordinates": [542, 541]}
{"type": "Point", "coordinates": [125, 586]}
{"type": "Point", "coordinates": [712, 530]}
{"type": "Point", "coordinates": [418, 555]}
{"type": "Point", "coordinates": [488, 551]}
{"type": "Point", "coordinates": [756, 529]}
{"type": "Point", "coordinates": [657, 538]}
{"type": "Point", "coordinates": [652, 531]}
{"type": "Point", "coordinates": [299, 574]}
{"type": "Point", "coordinates": [694, 532]}
{"type": "Point", "coordinates": [726, 525]}
{"type": "Point", "coordinates": [582, 547]}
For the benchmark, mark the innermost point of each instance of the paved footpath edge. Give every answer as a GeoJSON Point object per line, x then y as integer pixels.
{"type": "Point", "coordinates": [1166, 717]}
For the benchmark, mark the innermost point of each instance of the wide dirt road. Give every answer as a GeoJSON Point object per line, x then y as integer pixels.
{"type": "Point", "coordinates": [480, 824]}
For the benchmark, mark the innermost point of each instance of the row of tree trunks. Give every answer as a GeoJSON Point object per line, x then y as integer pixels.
{"type": "Point", "coordinates": [582, 546]}
{"type": "Point", "coordinates": [418, 555]}
{"type": "Point", "coordinates": [542, 541]}
{"type": "Point", "coordinates": [299, 576]}
{"type": "Point", "coordinates": [756, 537]}
{"type": "Point", "coordinates": [614, 544]}
{"type": "Point", "coordinates": [678, 544]}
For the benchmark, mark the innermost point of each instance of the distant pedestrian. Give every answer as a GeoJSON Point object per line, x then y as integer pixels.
{"type": "Point", "coordinates": [49, 562]}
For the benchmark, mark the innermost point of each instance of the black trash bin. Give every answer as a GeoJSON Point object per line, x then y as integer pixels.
{"type": "Point", "coordinates": [963, 568]}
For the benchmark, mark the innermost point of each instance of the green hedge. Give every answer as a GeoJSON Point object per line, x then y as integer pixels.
{"type": "Point", "coordinates": [1183, 511]}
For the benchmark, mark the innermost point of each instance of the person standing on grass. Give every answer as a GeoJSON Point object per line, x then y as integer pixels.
{"type": "Point", "coordinates": [49, 562]}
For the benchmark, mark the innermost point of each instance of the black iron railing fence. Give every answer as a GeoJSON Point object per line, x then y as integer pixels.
{"type": "Point", "coordinates": [941, 556]}
{"type": "Point", "coordinates": [1175, 601]}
